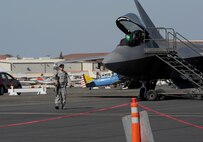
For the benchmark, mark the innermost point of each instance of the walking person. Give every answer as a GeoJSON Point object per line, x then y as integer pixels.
{"type": "Point", "coordinates": [61, 78]}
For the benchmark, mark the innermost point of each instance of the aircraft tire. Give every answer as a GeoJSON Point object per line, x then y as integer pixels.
{"type": "Point", "coordinates": [152, 95]}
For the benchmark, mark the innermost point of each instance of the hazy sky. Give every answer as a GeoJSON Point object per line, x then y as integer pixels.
{"type": "Point", "coordinates": [37, 28]}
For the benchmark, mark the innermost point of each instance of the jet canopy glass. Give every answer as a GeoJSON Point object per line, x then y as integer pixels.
{"type": "Point", "coordinates": [130, 23]}
{"type": "Point", "coordinates": [132, 26]}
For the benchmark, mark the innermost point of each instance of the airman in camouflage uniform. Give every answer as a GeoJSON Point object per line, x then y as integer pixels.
{"type": "Point", "coordinates": [61, 84]}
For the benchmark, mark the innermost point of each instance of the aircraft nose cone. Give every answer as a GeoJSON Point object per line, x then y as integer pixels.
{"type": "Point", "coordinates": [111, 60]}
{"type": "Point", "coordinates": [106, 60]}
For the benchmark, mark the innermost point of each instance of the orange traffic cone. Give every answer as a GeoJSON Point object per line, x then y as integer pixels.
{"type": "Point", "coordinates": [135, 121]}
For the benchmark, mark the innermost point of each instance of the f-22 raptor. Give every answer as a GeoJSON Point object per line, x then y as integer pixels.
{"type": "Point", "coordinates": [149, 53]}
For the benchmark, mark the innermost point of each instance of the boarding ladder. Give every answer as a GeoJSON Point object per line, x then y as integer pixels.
{"type": "Point", "coordinates": [184, 68]}
{"type": "Point", "coordinates": [168, 55]}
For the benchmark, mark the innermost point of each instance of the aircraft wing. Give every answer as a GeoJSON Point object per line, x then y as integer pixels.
{"type": "Point", "coordinates": [81, 59]}
{"type": "Point", "coordinates": [105, 81]}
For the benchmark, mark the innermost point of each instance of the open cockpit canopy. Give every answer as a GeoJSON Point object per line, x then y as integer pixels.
{"type": "Point", "coordinates": [130, 23]}
{"type": "Point", "coordinates": [134, 29]}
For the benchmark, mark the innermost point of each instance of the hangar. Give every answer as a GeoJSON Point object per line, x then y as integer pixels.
{"type": "Point", "coordinates": [44, 65]}
{"type": "Point", "coordinates": [28, 65]}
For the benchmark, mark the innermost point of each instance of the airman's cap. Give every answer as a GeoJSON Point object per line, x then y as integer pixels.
{"type": "Point", "coordinates": [61, 65]}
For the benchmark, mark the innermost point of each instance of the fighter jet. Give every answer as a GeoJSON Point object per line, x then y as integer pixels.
{"type": "Point", "coordinates": [148, 53]}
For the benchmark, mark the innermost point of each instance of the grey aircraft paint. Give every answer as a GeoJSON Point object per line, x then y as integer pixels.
{"type": "Point", "coordinates": [132, 61]}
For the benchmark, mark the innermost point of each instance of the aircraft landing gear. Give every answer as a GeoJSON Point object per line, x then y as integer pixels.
{"type": "Point", "coordinates": [160, 93]}
{"type": "Point", "coordinates": [151, 95]}
{"type": "Point", "coordinates": [148, 92]}
{"type": "Point", "coordinates": [142, 95]}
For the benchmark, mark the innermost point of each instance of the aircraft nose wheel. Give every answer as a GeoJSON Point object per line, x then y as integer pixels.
{"type": "Point", "coordinates": [151, 95]}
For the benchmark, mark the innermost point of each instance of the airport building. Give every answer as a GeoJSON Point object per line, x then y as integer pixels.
{"type": "Point", "coordinates": [73, 63]}
{"type": "Point", "coordinates": [84, 61]}
{"type": "Point", "coordinates": [28, 65]}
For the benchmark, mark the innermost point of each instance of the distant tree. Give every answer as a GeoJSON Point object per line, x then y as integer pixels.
{"type": "Point", "coordinates": [61, 56]}
{"type": "Point", "coordinates": [8, 55]}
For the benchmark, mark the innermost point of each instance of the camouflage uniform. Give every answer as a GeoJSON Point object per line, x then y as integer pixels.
{"type": "Point", "coordinates": [62, 80]}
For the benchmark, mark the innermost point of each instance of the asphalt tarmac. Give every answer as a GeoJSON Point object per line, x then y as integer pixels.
{"type": "Point", "coordinates": [95, 116]}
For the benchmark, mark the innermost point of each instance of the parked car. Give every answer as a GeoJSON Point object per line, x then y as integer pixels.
{"type": "Point", "coordinates": [6, 81]}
